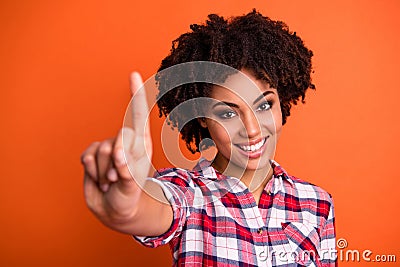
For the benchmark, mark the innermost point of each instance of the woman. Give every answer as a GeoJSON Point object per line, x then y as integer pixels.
{"type": "Point", "coordinates": [243, 208]}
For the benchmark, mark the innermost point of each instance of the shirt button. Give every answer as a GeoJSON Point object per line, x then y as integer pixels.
{"type": "Point", "coordinates": [259, 231]}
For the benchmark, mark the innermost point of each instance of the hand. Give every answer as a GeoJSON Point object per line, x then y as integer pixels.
{"type": "Point", "coordinates": [114, 167]}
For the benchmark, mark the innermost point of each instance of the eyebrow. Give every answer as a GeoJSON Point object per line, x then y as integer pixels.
{"type": "Point", "coordinates": [262, 96]}
{"type": "Point", "coordinates": [223, 103]}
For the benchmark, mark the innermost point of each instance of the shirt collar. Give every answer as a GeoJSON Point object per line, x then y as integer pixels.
{"type": "Point", "coordinates": [279, 171]}
{"type": "Point", "coordinates": [204, 166]}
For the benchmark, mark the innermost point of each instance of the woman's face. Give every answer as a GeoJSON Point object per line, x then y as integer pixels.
{"type": "Point", "coordinates": [244, 121]}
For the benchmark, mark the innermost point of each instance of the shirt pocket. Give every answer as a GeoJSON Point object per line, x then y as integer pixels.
{"type": "Point", "coordinates": [304, 241]}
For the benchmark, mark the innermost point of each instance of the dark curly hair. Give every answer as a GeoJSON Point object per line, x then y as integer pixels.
{"type": "Point", "coordinates": [252, 41]}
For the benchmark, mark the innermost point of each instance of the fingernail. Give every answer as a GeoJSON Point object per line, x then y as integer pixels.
{"type": "Point", "coordinates": [112, 175]}
{"type": "Point", "coordinates": [104, 187]}
{"type": "Point", "coordinates": [120, 158]}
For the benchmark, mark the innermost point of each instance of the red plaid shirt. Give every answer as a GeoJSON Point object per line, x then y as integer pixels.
{"type": "Point", "coordinates": [217, 221]}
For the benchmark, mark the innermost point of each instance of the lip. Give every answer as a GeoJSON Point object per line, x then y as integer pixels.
{"type": "Point", "coordinates": [256, 153]}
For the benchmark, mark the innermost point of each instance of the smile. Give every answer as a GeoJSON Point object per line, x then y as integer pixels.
{"type": "Point", "coordinates": [252, 147]}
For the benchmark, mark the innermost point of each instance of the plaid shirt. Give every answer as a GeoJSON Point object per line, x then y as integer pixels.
{"type": "Point", "coordinates": [218, 223]}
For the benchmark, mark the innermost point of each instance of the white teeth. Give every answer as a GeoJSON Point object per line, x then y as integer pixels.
{"type": "Point", "coordinates": [253, 148]}
{"type": "Point", "coordinates": [258, 146]}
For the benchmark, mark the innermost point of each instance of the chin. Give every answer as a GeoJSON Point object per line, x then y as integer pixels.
{"type": "Point", "coordinates": [256, 164]}
{"type": "Point", "coordinates": [255, 167]}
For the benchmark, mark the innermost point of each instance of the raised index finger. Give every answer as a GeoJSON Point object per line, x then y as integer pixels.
{"type": "Point", "coordinates": [138, 107]}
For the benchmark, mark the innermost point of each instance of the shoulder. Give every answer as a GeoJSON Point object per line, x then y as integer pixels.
{"type": "Point", "coordinates": [315, 203]}
{"type": "Point", "coordinates": [299, 187]}
{"type": "Point", "coordinates": [178, 176]}
{"type": "Point", "coordinates": [202, 170]}
{"type": "Point", "coordinates": [310, 190]}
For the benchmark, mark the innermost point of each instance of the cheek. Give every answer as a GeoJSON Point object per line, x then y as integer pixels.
{"type": "Point", "coordinates": [220, 134]}
{"type": "Point", "coordinates": [277, 115]}
{"type": "Point", "coordinates": [271, 122]}
{"type": "Point", "coordinates": [278, 133]}
{"type": "Point", "coordinates": [278, 125]}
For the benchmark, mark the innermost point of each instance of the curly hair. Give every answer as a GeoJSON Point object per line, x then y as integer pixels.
{"type": "Point", "coordinates": [252, 41]}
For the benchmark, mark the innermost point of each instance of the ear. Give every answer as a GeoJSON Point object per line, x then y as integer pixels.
{"type": "Point", "coordinates": [202, 122]}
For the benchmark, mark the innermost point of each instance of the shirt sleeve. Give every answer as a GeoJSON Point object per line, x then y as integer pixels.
{"type": "Point", "coordinates": [178, 189]}
{"type": "Point", "coordinates": [328, 253]}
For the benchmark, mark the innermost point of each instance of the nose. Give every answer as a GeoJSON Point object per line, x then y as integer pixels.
{"type": "Point", "coordinates": [250, 125]}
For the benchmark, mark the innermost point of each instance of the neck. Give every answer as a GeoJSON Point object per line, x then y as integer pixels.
{"type": "Point", "coordinates": [253, 179]}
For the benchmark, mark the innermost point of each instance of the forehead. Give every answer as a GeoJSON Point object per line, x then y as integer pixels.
{"type": "Point", "coordinates": [241, 86]}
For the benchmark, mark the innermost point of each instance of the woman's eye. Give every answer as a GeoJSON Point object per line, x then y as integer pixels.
{"type": "Point", "coordinates": [264, 106]}
{"type": "Point", "coordinates": [227, 115]}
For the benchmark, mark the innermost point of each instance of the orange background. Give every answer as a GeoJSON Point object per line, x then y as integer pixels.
{"type": "Point", "coordinates": [64, 83]}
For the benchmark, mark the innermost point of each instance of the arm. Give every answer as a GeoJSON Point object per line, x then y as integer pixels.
{"type": "Point", "coordinates": [115, 170]}
{"type": "Point", "coordinates": [328, 252]}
